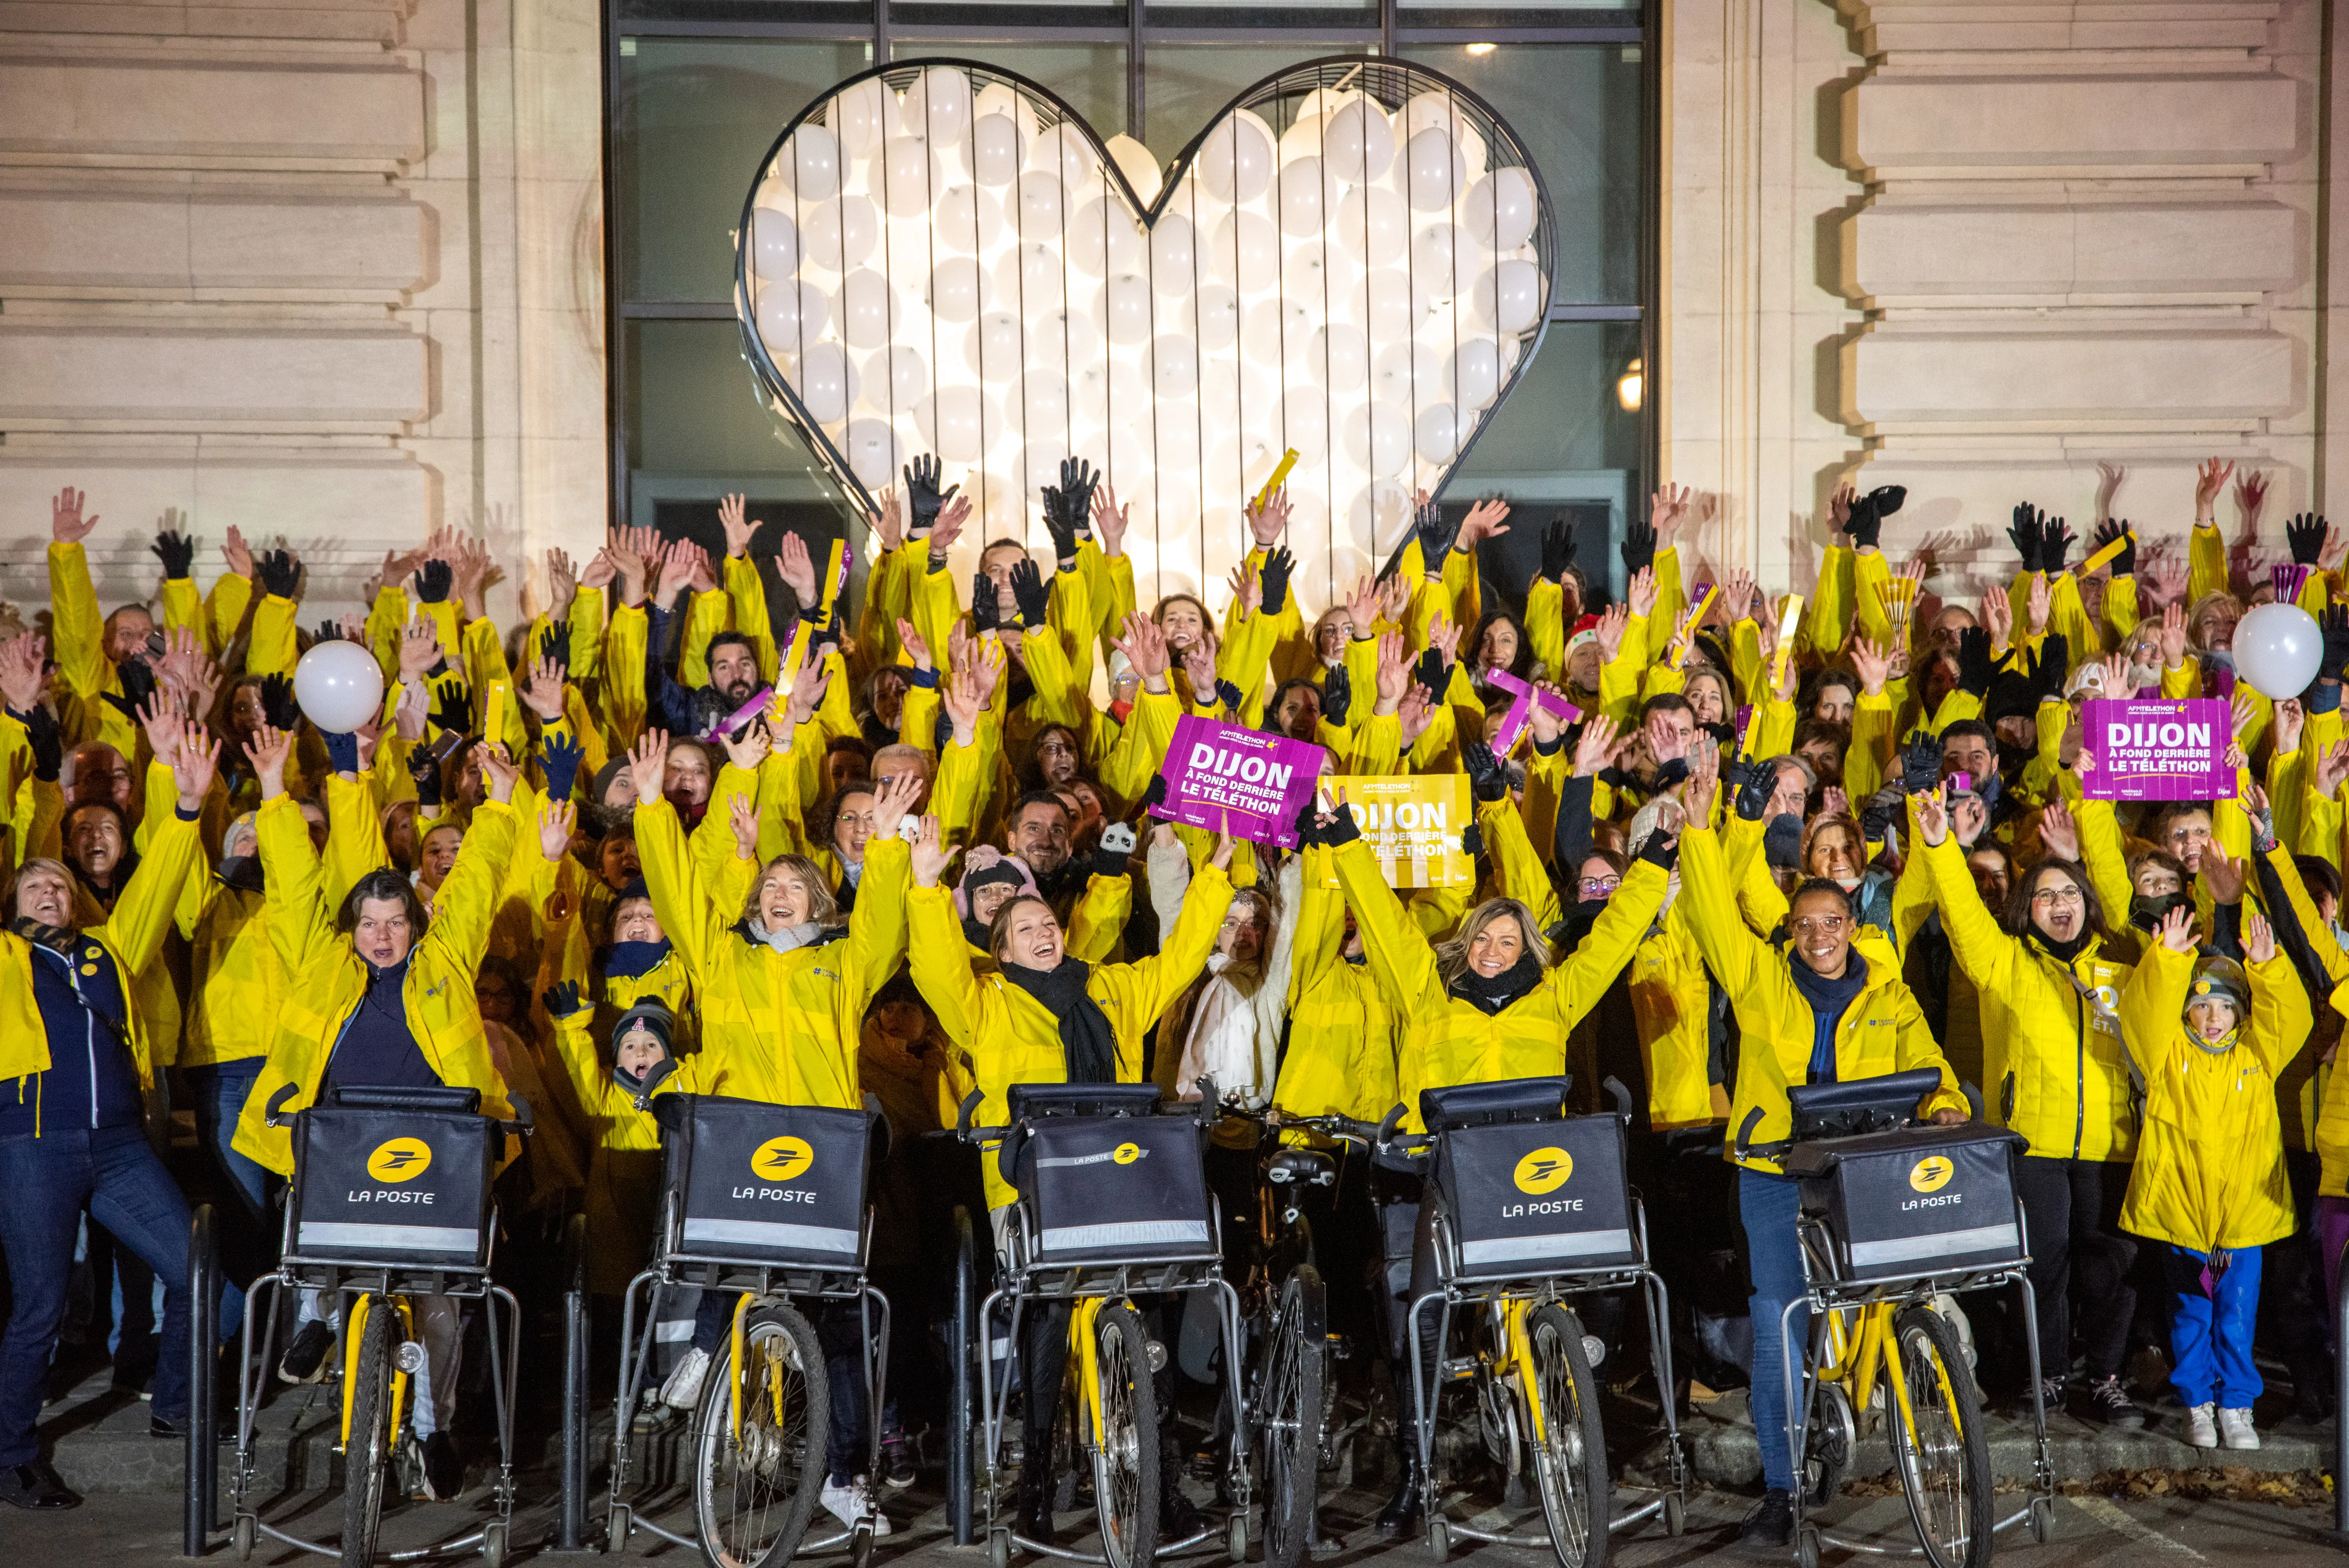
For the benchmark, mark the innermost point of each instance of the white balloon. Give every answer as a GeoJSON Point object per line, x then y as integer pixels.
{"type": "Point", "coordinates": [1472, 373]}
{"type": "Point", "coordinates": [954, 291]}
{"type": "Point", "coordinates": [1303, 421]}
{"type": "Point", "coordinates": [1372, 225]}
{"type": "Point", "coordinates": [1443, 260]}
{"type": "Point", "coordinates": [1304, 198]}
{"type": "Point", "coordinates": [892, 378]}
{"type": "Point", "coordinates": [938, 105]}
{"type": "Point", "coordinates": [825, 382]}
{"type": "Point", "coordinates": [1040, 206]}
{"type": "Point", "coordinates": [1436, 433]}
{"type": "Point", "coordinates": [1174, 254]}
{"type": "Point", "coordinates": [1359, 142]}
{"type": "Point", "coordinates": [1217, 312]}
{"type": "Point", "coordinates": [1175, 365]}
{"type": "Point", "coordinates": [1378, 511]}
{"type": "Point", "coordinates": [1046, 398]}
{"type": "Point", "coordinates": [1269, 328]}
{"type": "Point", "coordinates": [1378, 439]}
{"type": "Point", "coordinates": [1337, 357]}
{"type": "Point", "coordinates": [1102, 239]}
{"type": "Point", "coordinates": [1435, 110]}
{"type": "Point", "coordinates": [1382, 305]}
{"type": "Point", "coordinates": [809, 164]}
{"type": "Point", "coordinates": [995, 150]}
{"type": "Point", "coordinates": [1235, 162]}
{"type": "Point", "coordinates": [952, 421]}
{"type": "Point", "coordinates": [1499, 209]}
{"type": "Point", "coordinates": [2278, 649]}
{"type": "Point", "coordinates": [873, 450]}
{"type": "Point", "coordinates": [1065, 153]}
{"type": "Point", "coordinates": [1317, 274]}
{"type": "Point", "coordinates": [1433, 173]}
{"type": "Point", "coordinates": [1507, 298]}
{"type": "Point", "coordinates": [774, 243]}
{"type": "Point", "coordinates": [791, 315]}
{"type": "Point", "coordinates": [837, 235]}
{"type": "Point", "coordinates": [859, 116]}
{"type": "Point", "coordinates": [868, 310]}
{"type": "Point", "coordinates": [1141, 169]}
{"type": "Point", "coordinates": [1043, 273]}
{"type": "Point", "coordinates": [994, 344]}
{"type": "Point", "coordinates": [1063, 338]}
{"type": "Point", "coordinates": [1126, 298]}
{"type": "Point", "coordinates": [1405, 376]}
{"type": "Point", "coordinates": [954, 219]}
{"type": "Point", "coordinates": [339, 686]}
{"type": "Point", "coordinates": [1244, 250]}
{"type": "Point", "coordinates": [1002, 98]}
{"type": "Point", "coordinates": [906, 177]}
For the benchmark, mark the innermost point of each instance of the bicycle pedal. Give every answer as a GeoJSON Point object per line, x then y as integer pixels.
{"type": "Point", "coordinates": [1459, 1367]}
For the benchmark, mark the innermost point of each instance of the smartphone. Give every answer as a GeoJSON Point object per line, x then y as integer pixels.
{"type": "Point", "coordinates": [1956, 784]}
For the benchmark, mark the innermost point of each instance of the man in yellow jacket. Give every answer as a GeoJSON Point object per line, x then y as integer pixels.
{"type": "Point", "coordinates": [1811, 1011]}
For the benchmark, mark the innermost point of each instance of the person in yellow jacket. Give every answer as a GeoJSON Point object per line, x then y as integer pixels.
{"type": "Point", "coordinates": [1043, 1017]}
{"type": "Point", "coordinates": [74, 1073]}
{"type": "Point", "coordinates": [2049, 974]}
{"type": "Point", "coordinates": [623, 1172]}
{"type": "Point", "coordinates": [1813, 1010]}
{"type": "Point", "coordinates": [2210, 1036]}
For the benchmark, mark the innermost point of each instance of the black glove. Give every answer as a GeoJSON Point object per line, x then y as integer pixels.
{"type": "Point", "coordinates": [983, 615]}
{"type": "Point", "coordinates": [559, 757]}
{"type": "Point", "coordinates": [2305, 535]}
{"type": "Point", "coordinates": [1078, 478]}
{"type": "Point", "coordinates": [453, 707]}
{"type": "Point", "coordinates": [433, 581]}
{"type": "Point", "coordinates": [2054, 539]}
{"type": "Point", "coordinates": [177, 552]}
{"type": "Point", "coordinates": [1308, 823]}
{"type": "Point", "coordinates": [47, 743]}
{"type": "Point", "coordinates": [1921, 765]}
{"type": "Point", "coordinates": [1639, 546]}
{"type": "Point", "coordinates": [1484, 776]}
{"type": "Point", "coordinates": [2024, 532]}
{"type": "Point", "coordinates": [1472, 841]}
{"type": "Point", "coordinates": [554, 645]}
{"type": "Point", "coordinates": [137, 678]}
{"type": "Point", "coordinates": [327, 631]}
{"type": "Point", "coordinates": [565, 1000]}
{"type": "Point", "coordinates": [1435, 534]}
{"type": "Point", "coordinates": [1974, 671]}
{"type": "Point", "coordinates": [1759, 782]}
{"type": "Point", "coordinates": [424, 767]}
{"type": "Point", "coordinates": [1113, 852]}
{"type": "Point", "coordinates": [279, 572]}
{"type": "Point", "coordinates": [1337, 696]}
{"type": "Point", "coordinates": [923, 500]}
{"type": "Point", "coordinates": [1557, 549]}
{"type": "Point", "coordinates": [1057, 524]}
{"type": "Point", "coordinates": [2112, 528]}
{"type": "Point", "coordinates": [2047, 665]}
{"type": "Point", "coordinates": [1433, 673]}
{"type": "Point", "coordinates": [342, 749]}
{"type": "Point", "coordinates": [1028, 592]}
{"type": "Point", "coordinates": [2335, 625]}
{"type": "Point", "coordinates": [1155, 796]}
{"type": "Point", "coordinates": [277, 704]}
{"type": "Point", "coordinates": [1865, 524]}
{"type": "Point", "coordinates": [1278, 565]}
{"type": "Point", "coordinates": [1342, 828]}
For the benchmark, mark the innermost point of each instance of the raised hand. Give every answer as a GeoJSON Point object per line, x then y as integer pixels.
{"type": "Point", "coordinates": [1268, 523]}
{"type": "Point", "coordinates": [2025, 533]}
{"type": "Point", "coordinates": [738, 528]}
{"type": "Point", "coordinates": [2209, 479]}
{"type": "Point", "coordinates": [958, 696]}
{"type": "Point", "coordinates": [23, 661]}
{"type": "Point", "coordinates": [2225, 878]}
{"type": "Point", "coordinates": [951, 518]}
{"type": "Point", "coordinates": [2251, 494]}
{"type": "Point", "coordinates": [1279, 563]}
{"type": "Point", "coordinates": [237, 553]}
{"type": "Point", "coordinates": [2173, 635]}
{"type": "Point", "coordinates": [796, 567]}
{"type": "Point", "coordinates": [1144, 648]}
{"type": "Point", "coordinates": [1597, 748]}
{"type": "Point", "coordinates": [888, 522]}
{"type": "Point", "coordinates": [1870, 664]}
{"type": "Point", "coordinates": [2059, 835]}
{"type": "Point", "coordinates": [916, 646]}
{"type": "Point", "coordinates": [742, 819]}
{"type": "Point", "coordinates": [923, 499]}
{"type": "Point", "coordinates": [2037, 603]}
{"type": "Point", "coordinates": [560, 757]}
{"type": "Point", "coordinates": [2307, 534]}
{"type": "Point", "coordinates": [750, 749]}
{"type": "Point", "coordinates": [893, 801]}
{"type": "Point", "coordinates": [265, 753]}
{"type": "Point", "coordinates": [562, 583]}
{"type": "Point", "coordinates": [2112, 528]}
{"type": "Point", "coordinates": [931, 854]}
{"type": "Point", "coordinates": [1199, 665]}
{"type": "Point", "coordinates": [500, 773]}
{"type": "Point", "coordinates": [1668, 508]}
{"type": "Point", "coordinates": [1642, 592]}
{"type": "Point", "coordinates": [1486, 520]}
{"type": "Point", "coordinates": [556, 818]}
{"type": "Point", "coordinates": [1612, 621]}
{"type": "Point", "coordinates": [648, 766]}
{"type": "Point", "coordinates": [67, 523]}
{"type": "Point", "coordinates": [2177, 928]}
{"type": "Point", "coordinates": [420, 647]}
{"type": "Point", "coordinates": [1839, 507]}
{"type": "Point", "coordinates": [194, 762]}
{"type": "Point", "coordinates": [1029, 596]}
{"type": "Point", "coordinates": [2108, 485]}
{"type": "Point", "coordinates": [1931, 812]}
{"type": "Point", "coordinates": [174, 547]}
{"type": "Point", "coordinates": [2259, 936]}
{"type": "Point", "coordinates": [541, 689]}
{"type": "Point", "coordinates": [1110, 521]}
{"type": "Point", "coordinates": [627, 563]}
{"type": "Point", "coordinates": [1247, 594]}
{"type": "Point", "coordinates": [280, 573]}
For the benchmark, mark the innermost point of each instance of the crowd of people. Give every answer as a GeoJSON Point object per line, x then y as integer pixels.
{"type": "Point", "coordinates": [679, 832]}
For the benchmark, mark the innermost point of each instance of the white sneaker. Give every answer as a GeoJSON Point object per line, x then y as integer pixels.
{"type": "Point", "coordinates": [2201, 1432]}
{"type": "Point", "coordinates": [682, 1390]}
{"type": "Point", "coordinates": [853, 1502]}
{"type": "Point", "coordinates": [2235, 1426]}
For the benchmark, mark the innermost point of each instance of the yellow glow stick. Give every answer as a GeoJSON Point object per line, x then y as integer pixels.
{"type": "Point", "coordinates": [1696, 619]}
{"type": "Point", "coordinates": [2104, 555]}
{"type": "Point", "coordinates": [1790, 620]}
{"type": "Point", "coordinates": [1279, 473]}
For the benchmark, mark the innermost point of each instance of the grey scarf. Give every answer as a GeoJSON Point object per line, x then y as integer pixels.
{"type": "Point", "coordinates": [786, 939]}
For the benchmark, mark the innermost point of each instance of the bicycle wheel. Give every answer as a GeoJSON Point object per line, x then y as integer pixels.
{"type": "Point", "coordinates": [1569, 1445]}
{"type": "Point", "coordinates": [1289, 1416]}
{"type": "Point", "coordinates": [1125, 1456]}
{"type": "Point", "coordinates": [753, 1494]}
{"type": "Point", "coordinates": [366, 1453]}
{"type": "Point", "coordinates": [1826, 1453]}
{"type": "Point", "coordinates": [1940, 1449]}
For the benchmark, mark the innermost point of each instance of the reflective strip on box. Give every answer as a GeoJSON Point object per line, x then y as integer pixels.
{"type": "Point", "coordinates": [773, 1233]}
{"type": "Point", "coordinates": [389, 1237]}
{"type": "Point", "coordinates": [1130, 1233]}
{"type": "Point", "coordinates": [1557, 1244]}
{"type": "Point", "coordinates": [1982, 1239]}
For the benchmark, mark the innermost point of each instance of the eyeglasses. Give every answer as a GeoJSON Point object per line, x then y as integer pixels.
{"type": "Point", "coordinates": [1599, 887]}
{"type": "Point", "coordinates": [2065, 896]}
{"type": "Point", "coordinates": [1818, 925]}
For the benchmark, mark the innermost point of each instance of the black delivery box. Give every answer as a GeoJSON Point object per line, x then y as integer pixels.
{"type": "Point", "coordinates": [394, 1185]}
{"type": "Point", "coordinates": [1530, 1190]}
{"type": "Point", "coordinates": [759, 1183]}
{"type": "Point", "coordinates": [1914, 1202]}
{"type": "Point", "coordinates": [1114, 1189]}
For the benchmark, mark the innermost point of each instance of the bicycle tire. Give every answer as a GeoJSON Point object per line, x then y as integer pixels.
{"type": "Point", "coordinates": [1126, 1457]}
{"type": "Point", "coordinates": [366, 1454]}
{"type": "Point", "coordinates": [753, 1498]}
{"type": "Point", "coordinates": [1826, 1453]}
{"type": "Point", "coordinates": [1942, 1452]}
{"type": "Point", "coordinates": [1570, 1442]}
{"type": "Point", "coordinates": [1289, 1412]}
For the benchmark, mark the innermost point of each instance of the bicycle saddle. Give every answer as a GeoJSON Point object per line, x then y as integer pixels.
{"type": "Point", "coordinates": [1305, 1166]}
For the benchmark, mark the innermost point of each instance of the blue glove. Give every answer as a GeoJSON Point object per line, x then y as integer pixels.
{"type": "Point", "coordinates": [342, 749]}
{"type": "Point", "coordinates": [561, 757]}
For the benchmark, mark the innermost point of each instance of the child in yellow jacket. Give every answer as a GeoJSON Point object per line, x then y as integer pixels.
{"type": "Point", "coordinates": [2208, 1037]}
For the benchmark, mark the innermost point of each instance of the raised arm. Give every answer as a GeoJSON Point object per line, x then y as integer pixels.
{"type": "Point", "coordinates": [466, 909]}
{"type": "Point", "coordinates": [937, 954]}
{"type": "Point", "coordinates": [1397, 953]}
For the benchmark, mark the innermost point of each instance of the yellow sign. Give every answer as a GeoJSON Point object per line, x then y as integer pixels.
{"type": "Point", "coordinates": [1544, 1169]}
{"type": "Point", "coordinates": [1126, 1153]}
{"type": "Point", "coordinates": [1932, 1173]}
{"type": "Point", "coordinates": [1413, 822]}
{"type": "Point", "coordinates": [399, 1159]}
{"type": "Point", "coordinates": [784, 1158]}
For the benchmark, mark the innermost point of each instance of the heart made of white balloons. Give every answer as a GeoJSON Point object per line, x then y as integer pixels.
{"type": "Point", "coordinates": [1351, 260]}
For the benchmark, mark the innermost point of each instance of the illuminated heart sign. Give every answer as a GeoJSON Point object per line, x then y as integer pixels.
{"type": "Point", "coordinates": [1353, 259]}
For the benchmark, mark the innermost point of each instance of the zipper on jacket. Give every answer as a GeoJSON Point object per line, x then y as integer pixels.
{"type": "Point", "coordinates": [2080, 1072]}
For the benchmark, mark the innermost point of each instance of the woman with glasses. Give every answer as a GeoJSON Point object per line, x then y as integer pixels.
{"type": "Point", "coordinates": [2050, 975]}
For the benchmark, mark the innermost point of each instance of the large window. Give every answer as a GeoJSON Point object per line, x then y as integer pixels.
{"type": "Point", "coordinates": [696, 90]}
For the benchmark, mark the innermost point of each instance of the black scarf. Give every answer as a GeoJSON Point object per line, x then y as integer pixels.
{"type": "Point", "coordinates": [1086, 1042]}
{"type": "Point", "coordinates": [1492, 994]}
{"type": "Point", "coordinates": [2063, 953]}
{"type": "Point", "coordinates": [57, 938]}
{"type": "Point", "coordinates": [974, 933]}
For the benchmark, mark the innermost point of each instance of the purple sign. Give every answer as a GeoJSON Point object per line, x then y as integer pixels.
{"type": "Point", "coordinates": [1243, 782]}
{"type": "Point", "coordinates": [2152, 749]}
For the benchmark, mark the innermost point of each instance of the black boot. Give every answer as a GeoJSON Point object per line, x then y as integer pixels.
{"type": "Point", "coordinates": [1177, 1519]}
{"type": "Point", "coordinates": [1035, 1519]}
{"type": "Point", "coordinates": [1401, 1516]}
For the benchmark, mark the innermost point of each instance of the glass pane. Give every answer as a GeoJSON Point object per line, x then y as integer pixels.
{"type": "Point", "coordinates": [639, 13]}
{"type": "Point", "coordinates": [1563, 443]}
{"type": "Point", "coordinates": [991, 13]}
{"type": "Point", "coordinates": [1089, 78]}
{"type": "Point", "coordinates": [696, 118]}
{"type": "Point", "coordinates": [1183, 84]}
{"type": "Point", "coordinates": [1577, 108]}
{"type": "Point", "coordinates": [1286, 13]}
{"type": "Point", "coordinates": [1519, 14]}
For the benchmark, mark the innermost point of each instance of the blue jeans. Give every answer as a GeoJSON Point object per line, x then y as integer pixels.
{"type": "Point", "coordinates": [2211, 1335]}
{"type": "Point", "coordinates": [220, 1092]}
{"type": "Point", "coordinates": [48, 1180]}
{"type": "Point", "coordinates": [1769, 1206]}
